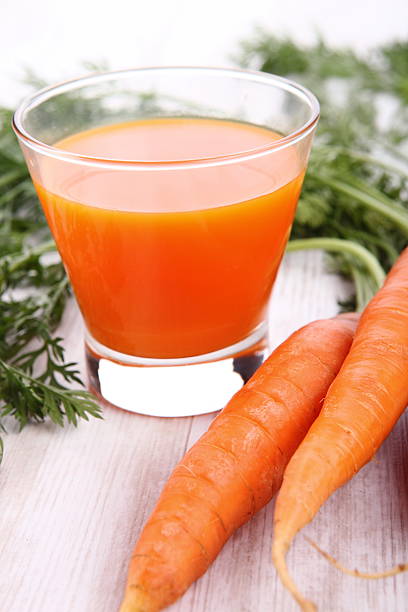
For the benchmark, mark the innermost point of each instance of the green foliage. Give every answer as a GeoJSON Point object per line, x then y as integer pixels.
{"type": "Point", "coordinates": [356, 188]}
{"type": "Point", "coordinates": [33, 294]}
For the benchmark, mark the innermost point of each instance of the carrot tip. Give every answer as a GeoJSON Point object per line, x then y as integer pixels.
{"type": "Point", "coordinates": [394, 571]}
{"type": "Point", "coordinates": [278, 557]}
{"type": "Point", "coordinates": [137, 600]}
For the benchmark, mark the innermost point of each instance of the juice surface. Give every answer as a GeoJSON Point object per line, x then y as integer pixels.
{"type": "Point", "coordinates": [172, 263]}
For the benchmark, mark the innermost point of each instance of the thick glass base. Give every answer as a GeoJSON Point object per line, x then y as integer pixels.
{"type": "Point", "coordinates": [173, 387]}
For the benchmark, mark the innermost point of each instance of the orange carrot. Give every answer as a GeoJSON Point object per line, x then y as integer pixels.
{"type": "Point", "coordinates": [236, 466]}
{"type": "Point", "coordinates": [362, 405]}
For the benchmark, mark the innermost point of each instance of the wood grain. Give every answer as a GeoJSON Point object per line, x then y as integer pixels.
{"type": "Point", "coordinates": [72, 502]}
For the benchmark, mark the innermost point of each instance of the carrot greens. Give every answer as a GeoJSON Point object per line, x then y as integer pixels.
{"type": "Point", "coordinates": [356, 188]}
{"type": "Point", "coordinates": [33, 294]}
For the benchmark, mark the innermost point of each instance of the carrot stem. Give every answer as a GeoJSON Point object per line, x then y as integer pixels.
{"type": "Point", "coordinates": [15, 263]}
{"type": "Point", "coordinates": [337, 245]}
{"type": "Point", "coordinates": [12, 192]}
{"type": "Point", "coordinates": [11, 176]}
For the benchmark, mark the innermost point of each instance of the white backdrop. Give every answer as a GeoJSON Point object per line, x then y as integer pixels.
{"type": "Point", "coordinates": [53, 36]}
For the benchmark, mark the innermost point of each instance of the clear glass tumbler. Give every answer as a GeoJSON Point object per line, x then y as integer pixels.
{"type": "Point", "coordinates": [170, 193]}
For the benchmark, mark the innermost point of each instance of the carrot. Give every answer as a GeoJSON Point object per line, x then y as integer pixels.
{"type": "Point", "coordinates": [236, 466]}
{"type": "Point", "coordinates": [362, 405]}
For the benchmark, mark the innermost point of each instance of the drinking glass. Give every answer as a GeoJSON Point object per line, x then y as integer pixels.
{"type": "Point", "coordinates": [171, 257]}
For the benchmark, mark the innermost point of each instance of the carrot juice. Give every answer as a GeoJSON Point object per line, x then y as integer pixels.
{"type": "Point", "coordinates": [176, 262]}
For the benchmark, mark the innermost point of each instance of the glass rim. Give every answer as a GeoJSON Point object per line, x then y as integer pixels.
{"type": "Point", "coordinates": [46, 93]}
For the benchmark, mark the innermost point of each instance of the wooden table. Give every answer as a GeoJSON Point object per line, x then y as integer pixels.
{"type": "Point", "coordinates": [73, 501]}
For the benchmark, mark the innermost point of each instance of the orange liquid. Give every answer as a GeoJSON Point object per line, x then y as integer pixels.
{"type": "Point", "coordinates": [172, 263]}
